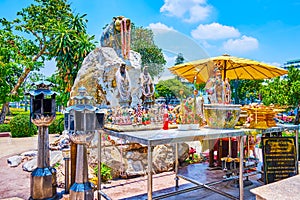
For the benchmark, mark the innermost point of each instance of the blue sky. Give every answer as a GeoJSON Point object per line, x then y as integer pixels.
{"type": "Point", "coordinates": [263, 30]}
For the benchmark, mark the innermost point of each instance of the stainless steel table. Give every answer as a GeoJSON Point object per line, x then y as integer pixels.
{"type": "Point", "coordinates": [152, 138]}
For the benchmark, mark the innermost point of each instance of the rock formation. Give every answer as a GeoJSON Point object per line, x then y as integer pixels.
{"type": "Point", "coordinates": [98, 75]}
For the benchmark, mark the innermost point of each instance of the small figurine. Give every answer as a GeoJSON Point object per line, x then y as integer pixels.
{"type": "Point", "coordinates": [227, 91]}
{"type": "Point", "coordinates": [215, 87]}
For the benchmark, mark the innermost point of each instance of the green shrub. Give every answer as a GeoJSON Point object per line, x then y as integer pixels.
{"type": "Point", "coordinates": [105, 172]}
{"type": "Point", "coordinates": [4, 128]}
{"type": "Point", "coordinates": [19, 111]}
{"type": "Point", "coordinates": [21, 126]}
{"type": "Point", "coordinates": [58, 125]}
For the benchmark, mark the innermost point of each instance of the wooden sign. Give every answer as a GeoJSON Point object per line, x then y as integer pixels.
{"type": "Point", "coordinates": [279, 158]}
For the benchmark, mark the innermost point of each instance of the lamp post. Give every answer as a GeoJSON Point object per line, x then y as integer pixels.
{"type": "Point", "coordinates": [66, 155]}
{"type": "Point", "coordinates": [42, 114]}
{"type": "Point", "coordinates": [81, 129]}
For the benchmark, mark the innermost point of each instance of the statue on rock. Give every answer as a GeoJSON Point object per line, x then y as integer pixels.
{"type": "Point", "coordinates": [123, 85]}
{"type": "Point", "coordinates": [117, 36]}
{"type": "Point", "coordinates": [147, 87]}
{"type": "Point", "coordinates": [111, 73]}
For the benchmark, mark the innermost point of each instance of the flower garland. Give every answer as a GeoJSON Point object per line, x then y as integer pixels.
{"type": "Point", "coordinates": [125, 38]}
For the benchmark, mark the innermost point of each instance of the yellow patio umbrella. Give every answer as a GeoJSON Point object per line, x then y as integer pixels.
{"type": "Point", "coordinates": [230, 66]}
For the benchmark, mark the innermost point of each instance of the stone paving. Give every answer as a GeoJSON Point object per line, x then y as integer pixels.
{"type": "Point", "coordinates": [15, 183]}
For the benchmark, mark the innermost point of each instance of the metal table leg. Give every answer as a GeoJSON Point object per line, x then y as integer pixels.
{"type": "Point", "coordinates": [241, 183]}
{"type": "Point", "coordinates": [176, 166]}
{"type": "Point", "coordinates": [229, 147]}
{"type": "Point", "coordinates": [99, 163]}
{"type": "Point", "coordinates": [149, 171]}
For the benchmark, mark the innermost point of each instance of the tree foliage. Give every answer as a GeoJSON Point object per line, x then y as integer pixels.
{"type": "Point", "coordinates": [42, 31]}
{"type": "Point", "coordinates": [293, 82]}
{"type": "Point", "coordinates": [171, 88]}
{"type": "Point", "coordinates": [15, 57]}
{"type": "Point", "coordinates": [179, 59]}
{"type": "Point", "coordinates": [152, 56]}
{"type": "Point", "coordinates": [283, 92]}
{"type": "Point", "coordinates": [71, 44]}
{"type": "Point", "coordinates": [246, 89]}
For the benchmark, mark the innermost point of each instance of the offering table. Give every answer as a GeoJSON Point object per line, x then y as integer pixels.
{"type": "Point", "coordinates": [152, 138]}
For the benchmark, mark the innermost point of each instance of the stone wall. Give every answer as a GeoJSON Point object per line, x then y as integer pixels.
{"type": "Point", "coordinates": [130, 160]}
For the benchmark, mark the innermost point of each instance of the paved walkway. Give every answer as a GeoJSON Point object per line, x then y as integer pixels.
{"type": "Point", "coordinates": [15, 183]}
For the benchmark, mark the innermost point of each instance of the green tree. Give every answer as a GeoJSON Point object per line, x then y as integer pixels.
{"type": "Point", "coordinates": [42, 31]}
{"type": "Point", "coordinates": [10, 71]}
{"type": "Point", "coordinates": [172, 87]}
{"type": "Point", "coordinates": [71, 44]}
{"type": "Point", "coordinates": [179, 59]}
{"type": "Point", "coordinates": [275, 91]}
{"type": "Point", "coordinates": [200, 86]}
{"type": "Point", "coordinates": [246, 89]}
{"type": "Point", "coordinates": [15, 57]}
{"type": "Point", "coordinates": [293, 82]}
{"type": "Point", "coordinates": [152, 55]}
{"type": "Point", "coordinates": [283, 91]}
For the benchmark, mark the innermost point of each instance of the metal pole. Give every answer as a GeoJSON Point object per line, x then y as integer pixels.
{"type": "Point", "coordinates": [220, 152]}
{"type": "Point", "coordinates": [229, 147]}
{"type": "Point", "coordinates": [297, 150]}
{"type": "Point", "coordinates": [43, 178]}
{"type": "Point", "coordinates": [99, 163]}
{"type": "Point", "coordinates": [149, 171]}
{"type": "Point", "coordinates": [73, 161]}
{"type": "Point", "coordinates": [81, 189]}
{"type": "Point", "coordinates": [67, 179]}
{"type": "Point", "coordinates": [43, 145]}
{"type": "Point", "coordinates": [241, 181]}
{"type": "Point", "coordinates": [176, 165]}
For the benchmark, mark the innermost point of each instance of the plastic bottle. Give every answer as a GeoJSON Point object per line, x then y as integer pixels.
{"type": "Point", "coordinates": [166, 120]}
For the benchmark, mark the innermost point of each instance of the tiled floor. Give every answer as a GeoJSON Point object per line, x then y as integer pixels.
{"type": "Point", "coordinates": [197, 172]}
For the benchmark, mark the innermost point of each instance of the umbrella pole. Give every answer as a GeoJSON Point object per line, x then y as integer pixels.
{"type": "Point", "coordinates": [236, 83]}
{"type": "Point", "coordinates": [224, 75]}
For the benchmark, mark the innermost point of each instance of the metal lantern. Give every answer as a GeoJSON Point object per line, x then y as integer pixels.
{"type": "Point", "coordinates": [42, 114]}
{"type": "Point", "coordinates": [81, 126]}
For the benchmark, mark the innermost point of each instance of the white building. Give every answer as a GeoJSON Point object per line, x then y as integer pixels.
{"type": "Point", "coordinates": [295, 63]}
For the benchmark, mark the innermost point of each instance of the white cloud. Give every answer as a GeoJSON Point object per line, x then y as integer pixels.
{"type": "Point", "coordinates": [189, 10]}
{"type": "Point", "coordinates": [242, 44]}
{"type": "Point", "coordinates": [206, 45]}
{"type": "Point", "coordinates": [276, 64]}
{"type": "Point", "coordinates": [166, 74]}
{"type": "Point", "coordinates": [160, 28]}
{"type": "Point", "coordinates": [170, 59]}
{"type": "Point", "coordinates": [214, 31]}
